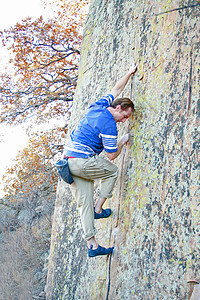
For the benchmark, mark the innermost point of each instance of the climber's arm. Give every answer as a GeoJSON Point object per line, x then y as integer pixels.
{"type": "Point", "coordinates": [120, 85]}
{"type": "Point", "coordinates": [124, 140]}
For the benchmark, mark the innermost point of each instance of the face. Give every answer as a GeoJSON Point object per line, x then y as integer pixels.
{"type": "Point", "coordinates": [122, 115]}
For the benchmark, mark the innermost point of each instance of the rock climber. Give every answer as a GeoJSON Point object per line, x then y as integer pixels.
{"type": "Point", "coordinates": [97, 131]}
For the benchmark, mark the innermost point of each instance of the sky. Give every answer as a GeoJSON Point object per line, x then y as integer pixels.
{"type": "Point", "coordinates": [12, 139]}
{"type": "Point", "coordinates": [12, 11]}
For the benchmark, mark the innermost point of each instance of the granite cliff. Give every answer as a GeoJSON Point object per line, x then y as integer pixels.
{"type": "Point", "coordinates": [155, 221]}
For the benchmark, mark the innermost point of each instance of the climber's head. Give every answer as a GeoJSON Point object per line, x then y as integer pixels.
{"type": "Point", "coordinates": [121, 109]}
{"type": "Point", "coordinates": [123, 102]}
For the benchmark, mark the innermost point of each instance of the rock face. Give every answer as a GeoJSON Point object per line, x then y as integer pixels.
{"type": "Point", "coordinates": [155, 221]}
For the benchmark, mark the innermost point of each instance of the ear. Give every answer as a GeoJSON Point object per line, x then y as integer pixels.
{"type": "Point", "coordinates": [118, 107]}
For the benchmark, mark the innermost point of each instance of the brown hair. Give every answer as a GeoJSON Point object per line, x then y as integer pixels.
{"type": "Point", "coordinates": [123, 102]}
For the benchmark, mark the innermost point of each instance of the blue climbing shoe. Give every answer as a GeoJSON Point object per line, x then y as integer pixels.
{"type": "Point", "coordinates": [99, 251]}
{"type": "Point", "coordinates": [104, 214]}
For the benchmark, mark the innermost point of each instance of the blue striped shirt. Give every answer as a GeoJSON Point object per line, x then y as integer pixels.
{"type": "Point", "coordinates": [97, 131]}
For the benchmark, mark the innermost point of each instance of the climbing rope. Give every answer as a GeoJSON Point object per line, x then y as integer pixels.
{"type": "Point", "coordinates": [121, 186]}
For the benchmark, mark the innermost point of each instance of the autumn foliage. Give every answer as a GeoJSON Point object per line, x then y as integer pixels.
{"type": "Point", "coordinates": [33, 170]}
{"type": "Point", "coordinates": [45, 59]}
{"type": "Point", "coordinates": [40, 87]}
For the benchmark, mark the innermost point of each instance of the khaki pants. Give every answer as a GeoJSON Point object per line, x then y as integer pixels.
{"type": "Point", "coordinates": [84, 172]}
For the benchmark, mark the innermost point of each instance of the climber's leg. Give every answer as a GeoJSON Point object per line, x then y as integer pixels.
{"type": "Point", "coordinates": [82, 190]}
{"type": "Point", "coordinates": [96, 168]}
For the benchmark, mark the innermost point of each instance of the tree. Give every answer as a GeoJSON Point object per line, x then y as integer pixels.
{"type": "Point", "coordinates": [40, 88]}
{"type": "Point", "coordinates": [45, 60]}
{"type": "Point", "coordinates": [33, 171]}
{"type": "Point", "coordinates": [45, 57]}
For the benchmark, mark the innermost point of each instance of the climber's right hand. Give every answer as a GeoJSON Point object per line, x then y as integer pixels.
{"type": "Point", "coordinates": [124, 139]}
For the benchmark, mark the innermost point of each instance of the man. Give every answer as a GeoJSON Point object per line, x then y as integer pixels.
{"type": "Point", "coordinates": [97, 131]}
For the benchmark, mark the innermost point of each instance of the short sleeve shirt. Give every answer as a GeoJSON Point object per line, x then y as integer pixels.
{"type": "Point", "coordinates": [97, 131]}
